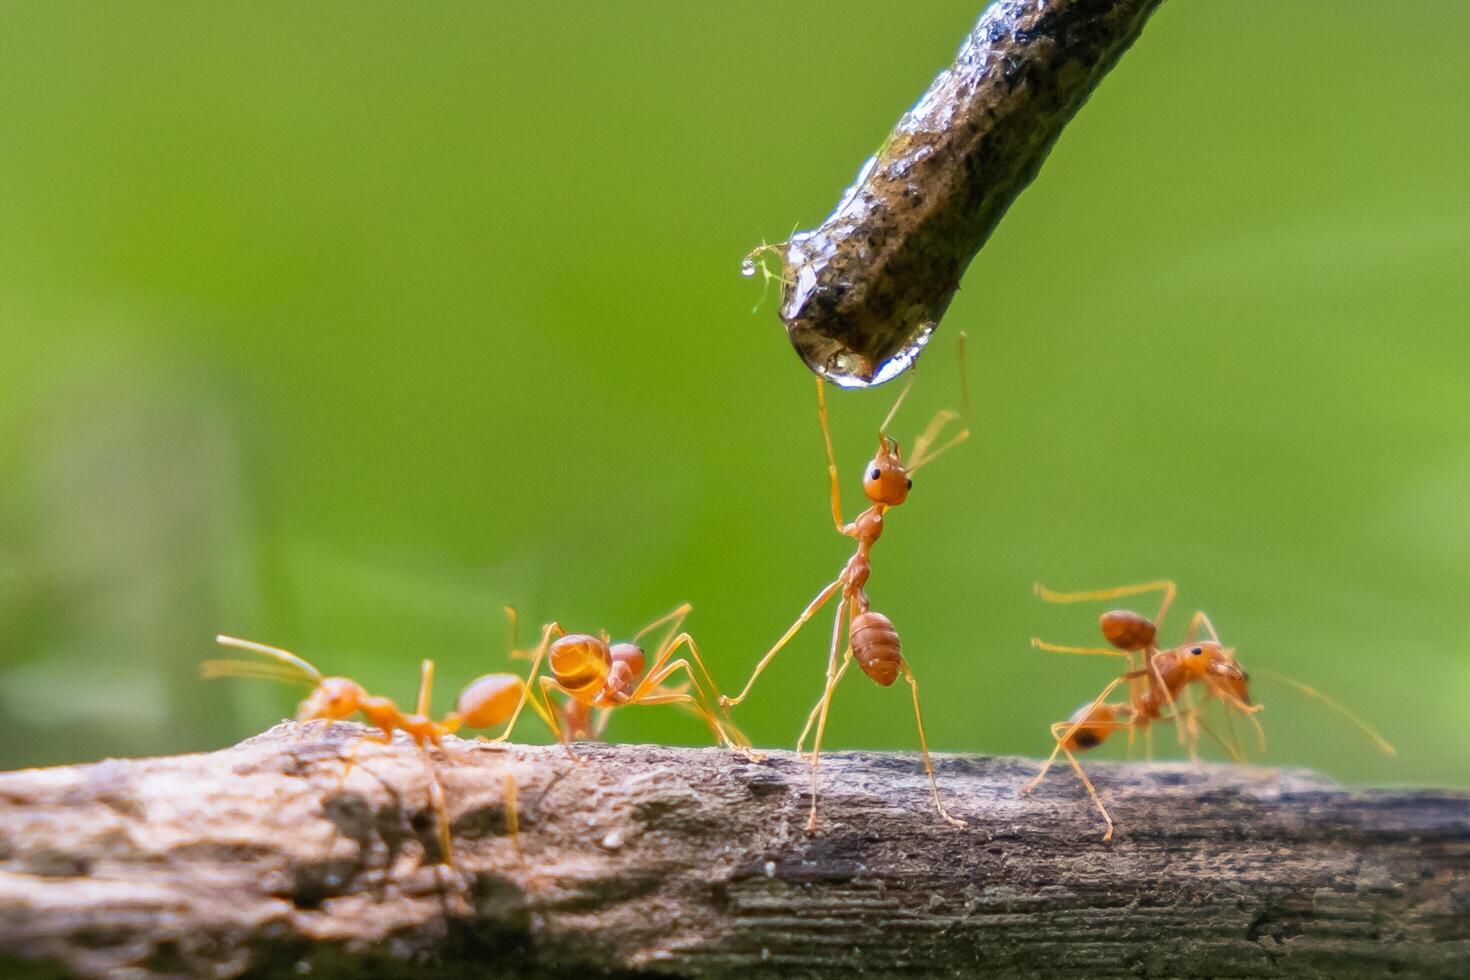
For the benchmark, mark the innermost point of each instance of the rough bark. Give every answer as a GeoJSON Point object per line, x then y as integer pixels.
{"type": "Point", "coordinates": [694, 862]}
{"type": "Point", "coordinates": [864, 290]}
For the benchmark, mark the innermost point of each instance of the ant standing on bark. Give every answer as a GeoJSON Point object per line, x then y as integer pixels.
{"type": "Point", "coordinates": [1158, 680]}
{"type": "Point", "coordinates": [488, 701]}
{"type": "Point", "coordinates": [872, 639]}
{"type": "Point", "coordinates": [595, 673]}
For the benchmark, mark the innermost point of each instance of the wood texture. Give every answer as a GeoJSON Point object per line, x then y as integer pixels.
{"type": "Point", "coordinates": [693, 862]}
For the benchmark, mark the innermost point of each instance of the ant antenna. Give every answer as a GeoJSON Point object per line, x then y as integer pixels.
{"type": "Point", "coordinates": [291, 664]}
{"type": "Point", "coordinates": [1382, 744]}
{"type": "Point", "coordinates": [922, 455]}
{"type": "Point", "coordinates": [888, 419]}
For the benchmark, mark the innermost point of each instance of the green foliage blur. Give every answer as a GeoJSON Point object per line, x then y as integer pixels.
{"type": "Point", "coordinates": [340, 326]}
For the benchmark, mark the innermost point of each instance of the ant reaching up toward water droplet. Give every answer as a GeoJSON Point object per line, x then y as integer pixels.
{"type": "Point", "coordinates": [1160, 680]}
{"type": "Point", "coordinates": [596, 674]}
{"type": "Point", "coordinates": [872, 639]}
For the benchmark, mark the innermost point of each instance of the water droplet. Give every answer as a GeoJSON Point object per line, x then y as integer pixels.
{"type": "Point", "coordinates": [770, 869]}
{"type": "Point", "coordinates": [747, 267]}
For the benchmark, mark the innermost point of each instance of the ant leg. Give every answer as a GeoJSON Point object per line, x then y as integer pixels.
{"type": "Point", "coordinates": [663, 669]}
{"type": "Point", "coordinates": [834, 672]}
{"type": "Point", "coordinates": [816, 758]}
{"type": "Point", "coordinates": [811, 718]}
{"type": "Point", "coordinates": [1199, 621]}
{"type": "Point", "coordinates": [436, 803]}
{"type": "Point", "coordinates": [1071, 726]}
{"type": "Point", "coordinates": [908, 675]}
{"type": "Point", "coordinates": [526, 693]}
{"type": "Point", "coordinates": [832, 457]}
{"type": "Point", "coordinates": [1158, 676]}
{"type": "Point", "coordinates": [674, 617]}
{"type": "Point", "coordinates": [1231, 748]}
{"type": "Point", "coordinates": [811, 610]}
{"type": "Point", "coordinates": [1039, 644]}
{"type": "Point", "coordinates": [381, 738]}
{"type": "Point", "coordinates": [426, 684]}
{"type": "Point", "coordinates": [514, 620]}
{"type": "Point", "coordinates": [513, 815]}
{"type": "Point", "coordinates": [547, 685]}
{"type": "Point", "coordinates": [1191, 721]}
{"type": "Point", "coordinates": [1250, 710]}
{"type": "Point", "coordinates": [600, 725]}
{"type": "Point", "coordinates": [1056, 737]}
{"type": "Point", "coordinates": [1092, 792]}
{"type": "Point", "coordinates": [1097, 595]}
{"type": "Point", "coordinates": [834, 676]}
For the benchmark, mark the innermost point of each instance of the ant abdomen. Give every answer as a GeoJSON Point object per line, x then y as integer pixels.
{"type": "Point", "coordinates": [1090, 725]}
{"type": "Point", "coordinates": [875, 646]}
{"type": "Point", "coordinates": [581, 663]}
{"type": "Point", "coordinates": [1128, 630]}
{"type": "Point", "coordinates": [487, 701]}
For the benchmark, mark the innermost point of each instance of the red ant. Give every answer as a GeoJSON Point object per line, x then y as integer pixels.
{"type": "Point", "coordinates": [1158, 680]}
{"type": "Point", "coordinates": [487, 701]}
{"type": "Point", "coordinates": [872, 639]}
{"type": "Point", "coordinates": [595, 673]}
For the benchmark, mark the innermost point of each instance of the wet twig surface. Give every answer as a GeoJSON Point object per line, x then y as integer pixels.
{"type": "Point", "coordinates": [693, 862]}
{"type": "Point", "coordinates": [863, 291]}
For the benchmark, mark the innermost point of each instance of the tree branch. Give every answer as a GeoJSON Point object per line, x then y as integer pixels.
{"type": "Point", "coordinates": [863, 291]}
{"type": "Point", "coordinates": [694, 863]}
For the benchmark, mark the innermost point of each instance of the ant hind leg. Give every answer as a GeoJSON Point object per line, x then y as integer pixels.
{"type": "Point", "coordinates": [908, 675]}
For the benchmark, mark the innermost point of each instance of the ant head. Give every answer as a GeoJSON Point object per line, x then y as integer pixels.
{"type": "Point", "coordinates": [631, 655]}
{"type": "Point", "coordinates": [885, 480]}
{"type": "Point", "coordinates": [1215, 664]}
{"type": "Point", "coordinates": [333, 699]}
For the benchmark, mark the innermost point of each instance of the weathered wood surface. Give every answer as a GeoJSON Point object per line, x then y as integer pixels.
{"type": "Point", "coordinates": [685, 862]}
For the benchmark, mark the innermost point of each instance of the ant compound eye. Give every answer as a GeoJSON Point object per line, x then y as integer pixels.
{"type": "Point", "coordinates": [875, 474]}
{"type": "Point", "coordinates": [1197, 651]}
{"type": "Point", "coordinates": [911, 483]}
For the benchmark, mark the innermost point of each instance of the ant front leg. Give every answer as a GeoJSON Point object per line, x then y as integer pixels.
{"type": "Point", "coordinates": [832, 457]}
{"type": "Point", "coordinates": [527, 696]}
{"type": "Point", "coordinates": [674, 618]}
{"type": "Point", "coordinates": [551, 715]}
{"type": "Point", "coordinates": [663, 669]}
{"type": "Point", "coordinates": [811, 610]}
{"type": "Point", "coordinates": [379, 738]}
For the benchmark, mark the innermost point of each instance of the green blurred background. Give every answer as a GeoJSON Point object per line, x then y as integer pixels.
{"type": "Point", "coordinates": [341, 326]}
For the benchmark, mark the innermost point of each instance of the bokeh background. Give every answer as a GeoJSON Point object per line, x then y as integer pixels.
{"type": "Point", "coordinates": [342, 326]}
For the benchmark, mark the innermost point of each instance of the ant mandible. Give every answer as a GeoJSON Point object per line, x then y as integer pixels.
{"type": "Point", "coordinates": [1159, 679]}
{"type": "Point", "coordinates": [872, 639]}
{"type": "Point", "coordinates": [595, 673]}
